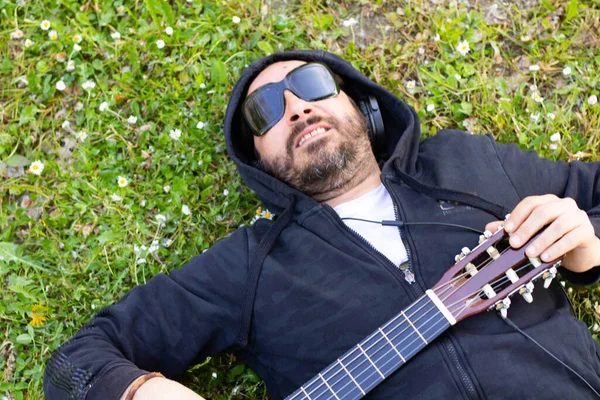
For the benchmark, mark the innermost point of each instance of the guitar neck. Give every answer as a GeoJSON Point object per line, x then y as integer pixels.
{"type": "Point", "coordinates": [381, 353]}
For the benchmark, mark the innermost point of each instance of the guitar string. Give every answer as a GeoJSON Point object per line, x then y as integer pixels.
{"type": "Point", "coordinates": [391, 339]}
{"type": "Point", "coordinates": [306, 385]}
{"type": "Point", "coordinates": [379, 340]}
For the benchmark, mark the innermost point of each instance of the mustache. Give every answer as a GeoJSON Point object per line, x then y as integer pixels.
{"type": "Point", "coordinates": [297, 129]}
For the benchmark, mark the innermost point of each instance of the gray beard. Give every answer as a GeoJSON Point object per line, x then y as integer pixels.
{"type": "Point", "coordinates": [328, 169]}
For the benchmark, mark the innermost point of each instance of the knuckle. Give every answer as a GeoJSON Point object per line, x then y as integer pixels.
{"type": "Point", "coordinates": [569, 202]}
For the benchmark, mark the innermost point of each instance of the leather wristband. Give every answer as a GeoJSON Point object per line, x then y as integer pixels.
{"type": "Point", "coordinates": [140, 381]}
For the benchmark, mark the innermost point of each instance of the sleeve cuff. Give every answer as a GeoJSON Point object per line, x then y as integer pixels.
{"type": "Point", "coordinates": [587, 278]}
{"type": "Point", "coordinates": [113, 384]}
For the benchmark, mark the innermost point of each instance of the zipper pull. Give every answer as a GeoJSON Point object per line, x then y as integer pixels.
{"type": "Point", "coordinates": [408, 274]}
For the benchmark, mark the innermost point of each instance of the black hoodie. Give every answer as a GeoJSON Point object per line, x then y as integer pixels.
{"type": "Point", "coordinates": [290, 296]}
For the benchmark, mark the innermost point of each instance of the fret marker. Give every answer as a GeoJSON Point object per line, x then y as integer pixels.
{"type": "Point", "coordinates": [304, 391]}
{"type": "Point", "coordinates": [445, 312]}
{"type": "Point", "coordinates": [374, 366]}
{"type": "Point", "coordinates": [411, 324]}
{"type": "Point", "coordinates": [348, 372]}
{"type": "Point", "coordinates": [392, 344]}
{"type": "Point", "coordinates": [328, 387]}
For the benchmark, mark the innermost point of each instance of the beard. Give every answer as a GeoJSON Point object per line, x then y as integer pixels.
{"type": "Point", "coordinates": [329, 167]}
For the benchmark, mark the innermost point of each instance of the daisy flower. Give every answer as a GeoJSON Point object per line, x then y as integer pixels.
{"type": "Point", "coordinates": [161, 218]}
{"type": "Point", "coordinates": [555, 137]}
{"type": "Point", "coordinates": [60, 85]}
{"type": "Point", "coordinates": [103, 106]}
{"type": "Point", "coordinates": [551, 116]}
{"type": "Point", "coordinates": [115, 35]}
{"type": "Point", "coordinates": [436, 38]}
{"type": "Point", "coordinates": [566, 71]}
{"type": "Point", "coordinates": [534, 68]}
{"type": "Point", "coordinates": [132, 119]}
{"type": "Point", "coordinates": [53, 35]}
{"type": "Point", "coordinates": [36, 167]}
{"type": "Point", "coordinates": [236, 19]}
{"type": "Point", "coordinates": [463, 47]}
{"type": "Point", "coordinates": [175, 134]}
{"type": "Point", "coordinates": [17, 34]}
{"type": "Point", "coordinates": [202, 86]}
{"type": "Point", "coordinates": [29, 43]}
{"type": "Point", "coordinates": [71, 65]}
{"type": "Point", "coordinates": [160, 43]}
{"type": "Point", "coordinates": [76, 47]}
{"type": "Point", "coordinates": [169, 31]}
{"type": "Point", "coordinates": [88, 85]}
{"type": "Point", "coordinates": [45, 25]}
{"type": "Point", "coordinates": [553, 146]}
{"type": "Point", "coordinates": [226, 192]}
{"type": "Point", "coordinates": [120, 9]}
{"type": "Point", "coordinates": [77, 39]}
{"type": "Point", "coordinates": [430, 107]}
{"type": "Point", "coordinates": [115, 197]}
{"type": "Point", "coordinates": [592, 100]}
{"type": "Point", "coordinates": [410, 85]}
{"type": "Point", "coordinates": [167, 188]}
{"type": "Point", "coordinates": [200, 125]}
{"type": "Point", "coordinates": [81, 135]}
{"type": "Point", "coordinates": [122, 181]}
{"type": "Point", "coordinates": [185, 209]}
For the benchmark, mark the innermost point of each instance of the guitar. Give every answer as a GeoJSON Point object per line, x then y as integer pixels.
{"type": "Point", "coordinates": [484, 278]}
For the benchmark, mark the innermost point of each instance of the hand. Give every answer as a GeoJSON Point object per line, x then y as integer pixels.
{"type": "Point", "coordinates": [570, 231]}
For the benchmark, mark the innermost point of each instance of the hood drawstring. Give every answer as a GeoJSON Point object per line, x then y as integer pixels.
{"type": "Point", "coordinates": [255, 267]}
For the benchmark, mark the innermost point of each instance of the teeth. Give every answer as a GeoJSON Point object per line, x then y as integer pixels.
{"type": "Point", "coordinates": [311, 134]}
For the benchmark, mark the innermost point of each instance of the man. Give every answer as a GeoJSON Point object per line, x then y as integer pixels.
{"type": "Point", "coordinates": [291, 296]}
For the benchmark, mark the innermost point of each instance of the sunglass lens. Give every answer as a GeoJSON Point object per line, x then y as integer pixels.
{"type": "Point", "coordinates": [264, 109]}
{"type": "Point", "coordinates": [313, 82]}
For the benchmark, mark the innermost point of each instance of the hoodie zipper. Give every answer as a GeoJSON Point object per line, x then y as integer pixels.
{"type": "Point", "coordinates": [418, 291]}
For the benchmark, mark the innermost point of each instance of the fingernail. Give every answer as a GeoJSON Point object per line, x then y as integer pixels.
{"type": "Point", "coordinates": [545, 256]}
{"type": "Point", "coordinates": [509, 226]}
{"type": "Point", "coordinates": [530, 251]}
{"type": "Point", "coordinates": [515, 240]}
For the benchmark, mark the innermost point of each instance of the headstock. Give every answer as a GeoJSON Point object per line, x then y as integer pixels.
{"type": "Point", "coordinates": [487, 276]}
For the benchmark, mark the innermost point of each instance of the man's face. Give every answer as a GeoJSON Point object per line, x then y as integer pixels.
{"type": "Point", "coordinates": [326, 160]}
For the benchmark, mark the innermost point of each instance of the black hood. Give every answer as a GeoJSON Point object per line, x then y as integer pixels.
{"type": "Point", "coordinates": [401, 123]}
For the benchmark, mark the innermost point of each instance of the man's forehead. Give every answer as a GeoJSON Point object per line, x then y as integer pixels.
{"type": "Point", "coordinates": [274, 73]}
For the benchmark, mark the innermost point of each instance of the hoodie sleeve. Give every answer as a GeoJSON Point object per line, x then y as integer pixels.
{"type": "Point", "coordinates": [164, 325]}
{"type": "Point", "coordinates": [532, 175]}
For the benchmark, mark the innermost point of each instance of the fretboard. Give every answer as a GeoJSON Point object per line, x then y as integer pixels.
{"type": "Point", "coordinates": [375, 358]}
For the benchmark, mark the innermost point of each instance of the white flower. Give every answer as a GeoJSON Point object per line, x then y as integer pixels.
{"type": "Point", "coordinates": [161, 218]}
{"type": "Point", "coordinates": [115, 35]}
{"type": "Point", "coordinates": [463, 47]}
{"type": "Point", "coordinates": [71, 65]}
{"type": "Point", "coordinates": [595, 327]}
{"type": "Point", "coordinates": [45, 25]}
{"type": "Point", "coordinates": [160, 43]}
{"type": "Point", "coordinates": [88, 85]}
{"type": "Point", "coordinates": [76, 47]}
{"type": "Point", "coordinates": [60, 85]}
{"type": "Point", "coordinates": [551, 116]}
{"type": "Point", "coordinates": [29, 43]}
{"type": "Point", "coordinates": [36, 167]}
{"type": "Point", "coordinates": [525, 38]}
{"type": "Point", "coordinates": [226, 192]}
{"type": "Point", "coordinates": [200, 125]}
{"type": "Point", "coordinates": [593, 99]}
{"type": "Point", "coordinates": [185, 209]}
{"type": "Point", "coordinates": [120, 9]}
{"type": "Point", "coordinates": [66, 125]}
{"type": "Point", "coordinates": [555, 137]}
{"type": "Point", "coordinates": [567, 71]}
{"type": "Point", "coordinates": [411, 84]}
{"type": "Point", "coordinates": [154, 247]}
{"type": "Point", "coordinates": [17, 34]}
{"type": "Point", "coordinates": [537, 98]}
{"type": "Point", "coordinates": [141, 261]}
{"type": "Point", "coordinates": [457, 77]}
{"type": "Point", "coordinates": [214, 375]}
{"type": "Point", "coordinates": [202, 86]}
{"type": "Point", "coordinates": [532, 88]}
{"type": "Point", "coordinates": [421, 50]}
{"type": "Point", "coordinates": [103, 106]}
{"type": "Point", "coordinates": [430, 107]}
{"type": "Point", "coordinates": [115, 197]}
{"type": "Point", "coordinates": [132, 119]}
{"type": "Point", "coordinates": [77, 38]}
{"type": "Point", "coordinates": [553, 146]}
{"type": "Point", "coordinates": [436, 38]}
{"type": "Point", "coordinates": [81, 135]}
{"type": "Point", "coordinates": [349, 22]}
{"type": "Point", "coordinates": [122, 181]}
{"type": "Point", "coordinates": [169, 30]}
{"type": "Point", "coordinates": [167, 188]}
{"type": "Point", "coordinates": [175, 134]}
{"type": "Point", "coordinates": [236, 19]}
{"type": "Point", "coordinates": [167, 242]}
{"type": "Point", "coordinates": [53, 35]}
{"type": "Point", "coordinates": [534, 67]}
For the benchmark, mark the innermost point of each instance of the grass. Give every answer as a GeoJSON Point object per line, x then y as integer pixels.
{"type": "Point", "coordinates": [68, 244]}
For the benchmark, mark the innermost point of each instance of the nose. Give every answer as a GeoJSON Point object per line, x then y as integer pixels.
{"type": "Point", "coordinates": [295, 107]}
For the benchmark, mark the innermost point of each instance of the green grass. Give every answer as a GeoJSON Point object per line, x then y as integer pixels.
{"type": "Point", "coordinates": [69, 248]}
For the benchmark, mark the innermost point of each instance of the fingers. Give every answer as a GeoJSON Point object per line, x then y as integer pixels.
{"type": "Point", "coordinates": [567, 243]}
{"type": "Point", "coordinates": [562, 226]}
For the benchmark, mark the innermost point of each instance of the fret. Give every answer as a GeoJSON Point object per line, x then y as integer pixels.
{"type": "Point", "coordinates": [391, 344]}
{"type": "Point", "coordinates": [328, 387]}
{"type": "Point", "coordinates": [414, 327]}
{"type": "Point", "coordinates": [351, 377]}
{"type": "Point", "coordinates": [304, 391]}
{"type": "Point", "coordinates": [371, 361]}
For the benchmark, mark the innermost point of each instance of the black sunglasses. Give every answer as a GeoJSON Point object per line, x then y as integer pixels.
{"type": "Point", "coordinates": [266, 105]}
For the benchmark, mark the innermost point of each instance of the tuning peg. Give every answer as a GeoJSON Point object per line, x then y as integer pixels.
{"type": "Point", "coordinates": [465, 251]}
{"type": "Point", "coordinates": [486, 235]}
{"type": "Point", "coordinates": [502, 306]}
{"type": "Point", "coordinates": [526, 291]}
{"type": "Point", "coordinates": [548, 276]}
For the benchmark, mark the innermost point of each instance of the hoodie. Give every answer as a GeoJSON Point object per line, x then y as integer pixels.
{"type": "Point", "coordinates": [292, 295]}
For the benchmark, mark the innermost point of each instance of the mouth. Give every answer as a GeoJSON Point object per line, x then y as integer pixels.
{"type": "Point", "coordinates": [309, 134]}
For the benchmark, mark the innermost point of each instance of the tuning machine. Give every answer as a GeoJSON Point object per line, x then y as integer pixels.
{"type": "Point", "coordinates": [548, 276]}
{"type": "Point", "coordinates": [463, 253]}
{"type": "Point", "coordinates": [502, 307]}
{"type": "Point", "coordinates": [526, 291]}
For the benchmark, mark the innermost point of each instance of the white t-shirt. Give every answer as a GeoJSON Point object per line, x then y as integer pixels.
{"type": "Point", "coordinates": [376, 205]}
